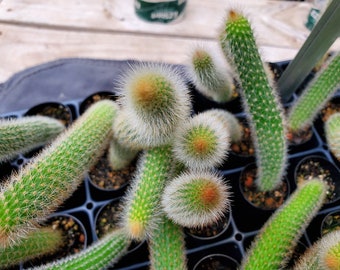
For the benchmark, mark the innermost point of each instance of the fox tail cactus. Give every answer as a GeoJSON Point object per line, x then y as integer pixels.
{"type": "Point", "coordinates": [36, 191]}
{"type": "Point", "coordinates": [24, 134]}
{"type": "Point", "coordinates": [332, 133]}
{"type": "Point", "coordinates": [260, 98]}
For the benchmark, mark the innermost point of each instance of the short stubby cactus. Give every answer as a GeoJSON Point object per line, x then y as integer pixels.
{"type": "Point", "coordinates": [332, 133]}
{"type": "Point", "coordinates": [155, 99]}
{"type": "Point", "coordinates": [101, 254]}
{"type": "Point", "coordinates": [260, 99]}
{"type": "Point", "coordinates": [141, 206]}
{"type": "Point", "coordinates": [276, 241]}
{"type": "Point", "coordinates": [202, 142]}
{"type": "Point", "coordinates": [167, 246]}
{"type": "Point", "coordinates": [196, 198]}
{"type": "Point", "coordinates": [38, 243]}
{"type": "Point", "coordinates": [315, 95]}
{"type": "Point", "coordinates": [120, 156]}
{"type": "Point", "coordinates": [39, 189]}
{"type": "Point", "coordinates": [210, 78]}
{"type": "Point", "coordinates": [324, 254]}
{"type": "Point", "coordinates": [20, 135]}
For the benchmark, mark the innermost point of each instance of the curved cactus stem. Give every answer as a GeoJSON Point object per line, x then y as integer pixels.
{"type": "Point", "coordinates": [275, 243]}
{"type": "Point", "coordinates": [55, 174]}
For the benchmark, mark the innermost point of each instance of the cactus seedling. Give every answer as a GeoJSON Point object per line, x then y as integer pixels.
{"type": "Point", "coordinates": [209, 76]}
{"type": "Point", "coordinates": [195, 199]}
{"type": "Point", "coordinates": [24, 134]}
{"type": "Point", "coordinates": [259, 97]}
{"type": "Point", "coordinates": [274, 244]}
{"type": "Point", "coordinates": [315, 95]}
{"type": "Point", "coordinates": [100, 255]}
{"type": "Point", "coordinates": [332, 133]}
{"type": "Point", "coordinates": [44, 184]}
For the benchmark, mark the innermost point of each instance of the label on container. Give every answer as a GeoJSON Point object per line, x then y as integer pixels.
{"type": "Point", "coordinates": [159, 11]}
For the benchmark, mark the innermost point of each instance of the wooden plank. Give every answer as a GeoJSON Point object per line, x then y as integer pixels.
{"type": "Point", "coordinates": [22, 47]}
{"type": "Point", "coordinates": [202, 18]}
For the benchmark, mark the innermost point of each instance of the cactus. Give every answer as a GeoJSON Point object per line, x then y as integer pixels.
{"type": "Point", "coordinates": [37, 190]}
{"type": "Point", "coordinates": [155, 101]}
{"type": "Point", "coordinates": [274, 244]}
{"type": "Point", "coordinates": [21, 135]}
{"type": "Point", "coordinates": [260, 99]}
{"type": "Point", "coordinates": [167, 247]}
{"type": "Point", "coordinates": [196, 199]}
{"type": "Point", "coordinates": [332, 133]}
{"type": "Point", "coordinates": [202, 142]}
{"type": "Point", "coordinates": [324, 254]}
{"type": "Point", "coordinates": [141, 204]}
{"type": "Point", "coordinates": [37, 243]}
{"type": "Point", "coordinates": [100, 255]}
{"type": "Point", "coordinates": [315, 95]}
{"type": "Point", "coordinates": [210, 77]}
{"type": "Point", "coordinates": [120, 156]}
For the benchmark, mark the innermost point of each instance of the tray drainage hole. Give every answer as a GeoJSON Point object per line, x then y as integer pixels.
{"type": "Point", "coordinates": [89, 205]}
{"type": "Point", "coordinates": [20, 161]}
{"type": "Point", "coordinates": [238, 237]}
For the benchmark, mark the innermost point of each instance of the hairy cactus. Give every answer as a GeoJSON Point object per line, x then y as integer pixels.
{"type": "Point", "coordinates": [202, 142]}
{"type": "Point", "coordinates": [36, 191]}
{"type": "Point", "coordinates": [21, 135]}
{"type": "Point", "coordinates": [324, 254]}
{"type": "Point", "coordinates": [100, 255]}
{"type": "Point", "coordinates": [275, 243]}
{"type": "Point", "coordinates": [332, 133]}
{"type": "Point", "coordinates": [167, 247]}
{"type": "Point", "coordinates": [142, 201]}
{"type": "Point", "coordinates": [260, 99]}
{"type": "Point", "coordinates": [315, 95]}
{"type": "Point", "coordinates": [155, 100]}
{"type": "Point", "coordinates": [37, 243]}
{"type": "Point", "coordinates": [196, 199]}
{"type": "Point", "coordinates": [120, 156]}
{"type": "Point", "coordinates": [209, 76]}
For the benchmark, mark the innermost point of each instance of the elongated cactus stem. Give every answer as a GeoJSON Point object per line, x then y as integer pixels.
{"type": "Point", "coordinates": [54, 175]}
{"type": "Point", "coordinates": [275, 243]}
{"type": "Point", "coordinates": [21, 135]}
{"type": "Point", "coordinates": [120, 156]}
{"type": "Point", "coordinates": [260, 99]}
{"type": "Point", "coordinates": [315, 95]}
{"type": "Point", "coordinates": [332, 133]}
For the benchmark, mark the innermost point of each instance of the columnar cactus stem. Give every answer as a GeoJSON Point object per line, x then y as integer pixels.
{"type": "Point", "coordinates": [332, 133]}
{"type": "Point", "coordinates": [120, 156]}
{"type": "Point", "coordinates": [315, 95]}
{"type": "Point", "coordinates": [142, 200]}
{"type": "Point", "coordinates": [37, 243]}
{"type": "Point", "coordinates": [155, 100]}
{"type": "Point", "coordinates": [196, 199]}
{"type": "Point", "coordinates": [210, 77]}
{"type": "Point", "coordinates": [54, 175]}
{"type": "Point", "coordinates": [167, 247]}
{"type": "Point", "coordinates": [275, 243]}
{"type": "Point", "coordinates": [260, 99]}
{"type": "Point", "coordinates": [324, 254]}
{"type": "Point", "coordinates": [202, 142]}
{"type": "Point", "coordinates": [100, 255]}
{"type": "Point", "coordinates": [21, 135]}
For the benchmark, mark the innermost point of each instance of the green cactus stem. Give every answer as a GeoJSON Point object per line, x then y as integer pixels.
{"type": "Point", "coordinates": [315, 95]}
{"type": "Point", "coordinates": [196, 199]}
{"type": "Point", "coordinates": [155, 100]}
{"type": "Point", "coordinates": [39, 189]}
{"type": "Point", "coordinates": [202, 141]}
{"type": "Point", "coordinates": [101, 254]}
{"type": "Point", "coordinates": [210, 78]}
{"type": "Point", "coordinates": [167, 247]}
{"type": "Point", "coordinates": [332, 133]}
{"type": "Point", "coordinates": [37, 243]}
{"type": "Point", "coordinates": [324, 254]}
{"type": "Point", "coordinates": [21, 135]}
{"type": "Point", "coordinates": [120, 156]}
{"type": "Point", "coordinates": [275, 243]}
{"type": "Point", "coordinates": [142, 201]}
{"type": "Point", "coordinates": [260, 99]}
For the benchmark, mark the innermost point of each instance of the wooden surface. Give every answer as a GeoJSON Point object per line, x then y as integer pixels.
{"type": "Point", "coordinates": [36, 31]}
